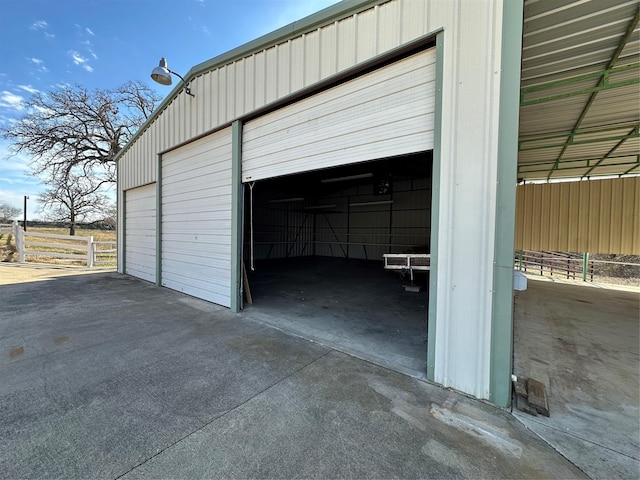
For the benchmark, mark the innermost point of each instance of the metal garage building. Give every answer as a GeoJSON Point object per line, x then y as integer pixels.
{"type": "Point", "coordinates": [391, 119]}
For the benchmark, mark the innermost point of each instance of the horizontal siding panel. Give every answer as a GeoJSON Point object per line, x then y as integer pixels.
{"type": "Point", "coordinates": [196, 218]}
{"type": "Point", "coordinates": [597, 216]}
{"type": "Point", "coordinates": [387, 112]}
{"type": "Point", "coordinates": [231, 91]}
{"type": "Point", "coordinates": [140, 231]}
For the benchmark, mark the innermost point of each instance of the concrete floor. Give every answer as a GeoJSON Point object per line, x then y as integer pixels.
{"type": "Point", "coordinates": [106, 376]}
{"type": "Point", "coordinates": [582, 342]}
{"type": "Point", "coordinates": [354, 306]}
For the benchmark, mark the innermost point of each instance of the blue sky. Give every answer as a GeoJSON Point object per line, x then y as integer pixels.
{"type": "Point", "coordinates": [104, 43]}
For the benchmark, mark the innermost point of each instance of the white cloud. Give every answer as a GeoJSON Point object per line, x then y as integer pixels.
{"type": "Point", "coordinates": [80, 60]}
{"type": "Point", "coordinates": [39, 25]}
{"type": "Point", "coordinates": [28, 88]}
{"type": "Point", "coordinates": [76, 57]}
{"type": "Point", "coordinates": [39, 63]}
{"type": "Point", "coordinates": [11, 100]}
{"type": "Point", "coordinates": [44, 110]}
{"type": "Point", "coordinates": [88, 30]}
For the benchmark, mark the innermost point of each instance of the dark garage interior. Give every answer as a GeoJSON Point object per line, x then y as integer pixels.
{"type": "Point", "coordinates": [314, 246]}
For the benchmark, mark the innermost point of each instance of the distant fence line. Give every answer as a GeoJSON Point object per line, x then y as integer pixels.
{"type": "Point", "coordinates": [568, 265]}
{"type": "Point", "coordinates": [66, 247]}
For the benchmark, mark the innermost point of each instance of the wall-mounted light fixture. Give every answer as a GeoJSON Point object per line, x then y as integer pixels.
{"type": "Point", "coordinates": [162, 75]}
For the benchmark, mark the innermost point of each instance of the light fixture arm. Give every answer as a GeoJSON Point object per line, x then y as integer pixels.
{"type": "Point", "coordinates": [187, 90]}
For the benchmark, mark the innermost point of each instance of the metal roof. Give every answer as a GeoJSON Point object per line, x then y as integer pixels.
{"type": "Point", "coordinates": [580, 89]}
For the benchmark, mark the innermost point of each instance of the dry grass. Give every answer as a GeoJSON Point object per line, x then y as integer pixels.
{"type": "Point", "coordinates": [8, 251]}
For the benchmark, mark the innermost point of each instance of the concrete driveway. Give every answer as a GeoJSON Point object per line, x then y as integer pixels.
{"type": "Point", "coordinates": [106, 376]}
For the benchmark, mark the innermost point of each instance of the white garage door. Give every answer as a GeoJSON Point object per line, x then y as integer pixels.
{"type": "Point", "coordinates": [381, 114]}
{"type": "Point", "coordinates": [196, 218]}
{"type": "Point", "coordinates": [140, 232]}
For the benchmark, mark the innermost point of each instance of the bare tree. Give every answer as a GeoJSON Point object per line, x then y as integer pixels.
{"type": "Point", "coordinates": [73, 199]}
{"type": "Point", "coordinates": [73, 136]}
{"type": "Point", "coordinates": [78, 132]}
{"type": "Point", "coordinates": [8, 212]}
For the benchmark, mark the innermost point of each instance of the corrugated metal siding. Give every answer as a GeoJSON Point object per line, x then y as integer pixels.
{"type": "Point", "coordinates": [280, 231]}
{"type": "Point", "coordinates": [467, 185]}
{"type": "Point", "coordinates": [387, 112]}
{"type": "Point", "coordinates": [598, 216]}
{"type": "Point", "coordinates": [196, 218]}
{"type": "Point", "coordinates": [140, 227]}
{"type": "Point", "coordinates": [248, 83]}
{"type": "Point", "coordinates": [344, 231]}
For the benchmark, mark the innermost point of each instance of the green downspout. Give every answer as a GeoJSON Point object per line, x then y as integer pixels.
{"type": "Point", "coordinates": [159, 221]}
{"type": "Point", "coordinates": [236, 216]}
{"type": "Point", "coordinates": [435, 211]}
{"type": "Point", "coordinates": [502, 304]}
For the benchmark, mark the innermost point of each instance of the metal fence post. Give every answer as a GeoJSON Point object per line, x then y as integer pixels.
{"type": "Point", "coordinates": [585, 266]}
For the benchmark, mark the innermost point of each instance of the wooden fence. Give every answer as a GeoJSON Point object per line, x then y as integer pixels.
{"type": "Point", "coordinates": [67, 247]}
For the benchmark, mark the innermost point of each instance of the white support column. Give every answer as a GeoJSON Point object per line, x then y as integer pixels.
{"type": "Point", "coordinates": [90, 252]}
{"type": "Point", "coordinates": [18, 235]}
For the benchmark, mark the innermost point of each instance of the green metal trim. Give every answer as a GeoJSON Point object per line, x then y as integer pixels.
{"type": "Point", "coordinates": [159, 221]}
{"type": "Point", "coordinates": [435, 210]}
{"type": "Point", "coordinates": [604, 84]}
{"type": "Point", "coordinates": [324, 17]}
{"type": "Point", "coordinates": [592, 97]}
{"type": "Point", "coordinates": [633, 134]}
{"type": "Point", "coordinates": [541, 138]}
{"type": "Point", "coordinates": [585, 265]}
{"type": "Point", "coordinates": [237, 205]}
{"type": "Point", "coordinates": [636, 129]}
{"type": "Point", "coordinates": [121, 216]}
{"type": "Point", "coordinates": [636, 165]}
{"type": "Point", "coordinates": [502, 304]}
{"type": "Point", "coordinates": [560, 168]}
{"type": "Point", "coordinates": [577, 160]}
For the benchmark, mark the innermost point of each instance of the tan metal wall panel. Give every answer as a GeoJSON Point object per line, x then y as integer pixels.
{"type": "Point", "coordinates": [328, 50]}
{"type": "Point", "coordinates": [598, 216]}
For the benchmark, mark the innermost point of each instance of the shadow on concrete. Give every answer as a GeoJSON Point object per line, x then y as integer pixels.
{"type": "Point", "coordinates": [582, 341]}
{"type": "Point", "coordinates": [117, 377]}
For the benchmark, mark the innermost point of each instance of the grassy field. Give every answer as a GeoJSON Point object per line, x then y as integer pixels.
{"type": "Point", "coordinates": [8, 251]}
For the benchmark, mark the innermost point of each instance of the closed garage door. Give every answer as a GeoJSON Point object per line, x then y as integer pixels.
{"type": "Point", "coordinates": [384, 113]}
{"type": "Point", "coordinates": [196, 218]}
{"type": "Point", "coordinates": [140, 232]}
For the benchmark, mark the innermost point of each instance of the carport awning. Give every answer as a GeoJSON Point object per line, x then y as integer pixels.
{"type": "Point", "coordinates": [580, 89]}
